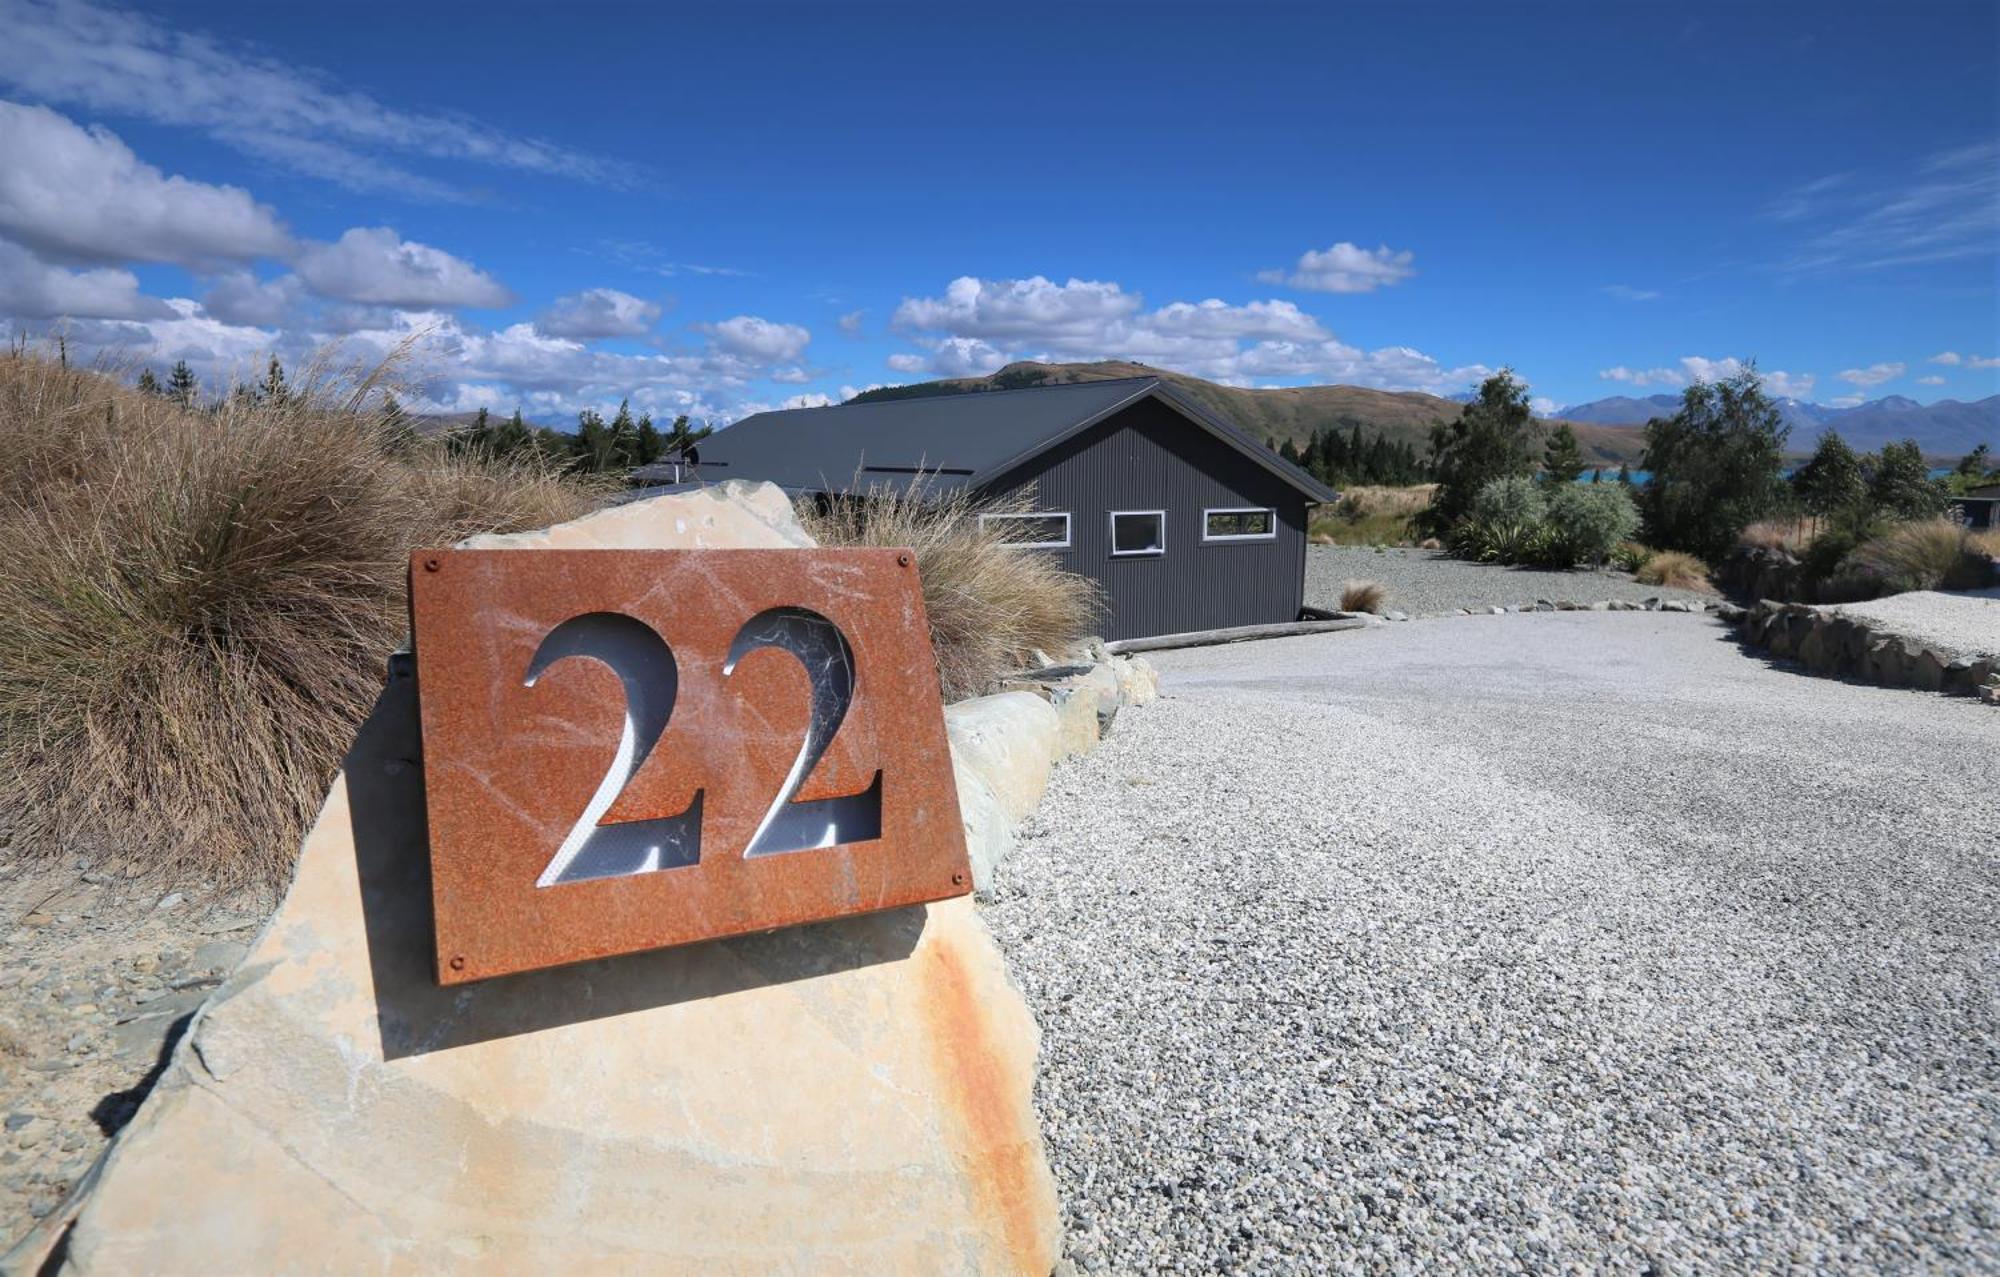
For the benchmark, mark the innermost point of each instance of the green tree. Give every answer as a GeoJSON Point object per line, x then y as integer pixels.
{"type": "Point", "coordinates": [648, 442]}
{"type": "Point", "coordinates": [1714, 466]}
{"type": "Point", "coordinates": [1830, 484]}
{"type": "Point", "coordinates": [1562, 459]}
{"type": "Point", "coordinates": [593, 447]}
{"type": "Point", "coordinates": [1974, 465]}
{"type": "Point", "coordinates": [624, 438]}
{"type": "Point", "coordinates": [1490, 440]}
{"type": "Point", "coordinates": [1624, 476]}
{"type": "Point", "coordinates": [1901, 485]}
{"type": "Point", "coordinates": [273, 390]}
{"type": "Point", "coordinates": [181, 385]}
{"type": "Point", "coordinates": [512, 436]}
{"type": "Point", "coordinates": [150, 384]}
{"type": "Point", "coordinates": [399, 433]}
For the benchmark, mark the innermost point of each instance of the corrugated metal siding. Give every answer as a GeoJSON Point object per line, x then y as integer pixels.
{"type": "Point", "coordinates": [1149, 457]}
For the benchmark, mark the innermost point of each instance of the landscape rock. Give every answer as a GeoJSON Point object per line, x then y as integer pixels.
{"type": "Point", "coordinates": [852, 1096]}
{"type": "Point", "coordinates": [1085, 706]}
{"type": "Point", "coordinates": [1138, 681]}
{"type": "Point", "coordinates": [1009, 742]}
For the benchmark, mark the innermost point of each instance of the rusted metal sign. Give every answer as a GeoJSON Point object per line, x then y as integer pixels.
{"type": "Point", "coordinates": [629, 749]}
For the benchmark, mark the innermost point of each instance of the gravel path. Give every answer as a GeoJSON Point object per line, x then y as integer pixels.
{"type": "Point", "coordinates": [1504, 943]}
{"type": "Point", "coordinates": [1426, 583]}
{"type": "Point", "coordinates": [1968, 624]}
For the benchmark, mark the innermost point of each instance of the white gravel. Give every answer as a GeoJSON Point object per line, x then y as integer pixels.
{"type": "Point", "coordinates": [1427, 583]}
{"type": "Point", "coordinates": [1967, 624]}
{"type": "Point", "coordinates": [1508, 943]}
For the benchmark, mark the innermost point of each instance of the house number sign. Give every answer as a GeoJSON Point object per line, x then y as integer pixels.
{"type": "Point", "coordinates": [629, 749]}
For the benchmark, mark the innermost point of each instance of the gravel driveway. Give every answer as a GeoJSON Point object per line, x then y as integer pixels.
{"type": "Point", "coordinates": [1505, 943]}
{"type": "Point", "coordinates": [1426, 583]}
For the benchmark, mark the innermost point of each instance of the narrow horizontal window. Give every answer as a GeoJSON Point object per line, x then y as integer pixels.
{"type": "Point", "coordinates": [1138, 532]}
{"type": "Point", "coordinates": [1030, 531]}
{"type": "Point", "coordinates": [1252, 523]}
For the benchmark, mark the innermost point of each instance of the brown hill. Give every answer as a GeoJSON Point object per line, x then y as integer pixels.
{"type": "Point", "coordinates": [1292, 412]}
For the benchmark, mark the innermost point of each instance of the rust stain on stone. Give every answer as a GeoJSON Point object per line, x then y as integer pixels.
{"type": "Point", "coordinates": [977, 1089]}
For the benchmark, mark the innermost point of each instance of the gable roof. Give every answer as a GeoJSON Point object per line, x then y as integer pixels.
{"type": "Point", "coordinates": [956, 441]}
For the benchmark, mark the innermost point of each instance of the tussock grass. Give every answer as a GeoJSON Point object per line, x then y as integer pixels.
{"type": "Point", "coordinates": [1675, 570]}
{"type": "Point", "coordinates": [1927, 554]}
{"type": "Point", "coordinates": [991, 603]}
{"type": "Point", "coordinates": [1371, 515]}
{"type": "Point", "coordinates": [1363, 596]}
{"type": "Point", "coordinates": [1986, 543]}
{"type": "Point", "coordinates": [1794, 536]}
{"type": "Point", "coordinates": [196, 603]}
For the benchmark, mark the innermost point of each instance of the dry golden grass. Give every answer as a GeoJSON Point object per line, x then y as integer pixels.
{"type": "Point", "coordinates": [1986, 543]}
{"type": "Point", "coordinates": [196, 604]}
{"type": "Point", "coordinates": [991, 603]}
{"type": "Point", "coordinates": [1363, 596]}
{"type": "Point", "coordinates": [1928, 554]}
{"type": "Point", "coordinates": [1793, 536]}
{"type": "Point", "coordinates": [1371, 515]}
{"type": "Point", "coordinates": [1674, 570]}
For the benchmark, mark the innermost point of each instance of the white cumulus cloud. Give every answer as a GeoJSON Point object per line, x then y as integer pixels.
{"type": "Point", "coordinates": [376, 266]}
{"type": "Point", "coordinates": [33, 289]}
{"type": "Point", "coordinates": [761, 340]}
{"type": "Point", "coordinates": [1345, 268]}
{"type": "Point", "coordinates": [77, 194]}
{"type": "Point", "coordinates": [599, 312]}
{"type": "Point", "coordinates": [1872, 375]}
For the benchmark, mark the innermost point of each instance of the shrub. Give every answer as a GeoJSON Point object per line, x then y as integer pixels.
{"type": "Point", "coordinates": [1925, 555]}
{"type": "Point", "coordinates": [991, 603]}
{"type": "Point", "coordinates": [1501, 541]}
{"type": "Point", "coordinates": [1514, 499]}
{"type": "Point", "coordinates": [1674, 569]}
{"type": "Point", "coordinates": [1490, 440]}
{"type": "Point", "coordinates": [1589, 520]}
{"type": "Point", "coordinates": [1363, 596]}
{"type": "Point", "coordinates": [196, 604]}
{"type": "Point", "coordinates": [1629, 555]}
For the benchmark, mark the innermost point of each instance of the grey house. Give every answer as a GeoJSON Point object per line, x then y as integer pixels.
{"type": "Point", "coordinates": [1188, 523]}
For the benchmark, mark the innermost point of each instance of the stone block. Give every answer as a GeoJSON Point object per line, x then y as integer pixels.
{"type": "Point", "coordinates": [852, 1096]}
{"type": "Point", "coordinates": [1009, 742]}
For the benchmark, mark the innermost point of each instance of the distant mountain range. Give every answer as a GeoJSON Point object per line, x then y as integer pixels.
{"type": "Point", "coordinates": [1946, 429]}
{"type": "Point", "coordinates": [1276, 415]}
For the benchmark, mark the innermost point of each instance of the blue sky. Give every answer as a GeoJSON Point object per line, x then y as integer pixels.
{"type": "Point", "coordinates": [715, 208]}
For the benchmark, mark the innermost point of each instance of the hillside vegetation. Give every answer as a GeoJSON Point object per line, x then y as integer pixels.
{"type": "Point", "coordinates": [1286, 414]}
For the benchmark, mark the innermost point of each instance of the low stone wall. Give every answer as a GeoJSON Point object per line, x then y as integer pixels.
{"type": "Point", "coordinates": [1844, 646]}
{"type": "Point", "coordinates": [1003, 746]}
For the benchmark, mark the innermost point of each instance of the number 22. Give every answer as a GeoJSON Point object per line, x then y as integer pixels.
{"type": "Point", "coordinates": [646, 668]}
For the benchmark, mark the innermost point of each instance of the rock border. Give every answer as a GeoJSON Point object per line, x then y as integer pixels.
{"type": "Point", "coordinates": [1004, 746]}
{"type": "Point", "coordinates": [1841, 645]}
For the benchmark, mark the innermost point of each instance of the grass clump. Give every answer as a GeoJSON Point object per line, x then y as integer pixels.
{"type": "Point", "coordinates": [1371, 515]}
{"type": "Point", "coordinates": [1675, 570]}
{"type": "Point", "coordinates": [1927, 554]}
{"type": "Point", "coordinates": [992, 604]}
{"type": "Point", "coordinates": [1363, 596]}
{"type": "Point", "coordinates": [196, 602]}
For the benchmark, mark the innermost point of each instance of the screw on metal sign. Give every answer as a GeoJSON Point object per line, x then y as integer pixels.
{"type": "Point", "coordinates": [630, 749]}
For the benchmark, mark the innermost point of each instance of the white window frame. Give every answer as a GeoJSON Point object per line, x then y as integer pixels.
{"type": "Point", "coordinates": [1272, 535]}
{"type": "Point", "coordinates": [1063, 544]}
{"type": "Point", "coordinates": [1153, 553]}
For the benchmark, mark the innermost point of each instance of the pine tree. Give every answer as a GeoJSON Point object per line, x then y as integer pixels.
{"type": "Point", "coordinates": [513, 436]}
{"type": "Point", "coordinates": [149, 384]}
{"type": "Point", "coordinates": [1562, 459]}
{"type": "Point", "coordinates": [648, 442]}
{"type": "Point", "coordinates": [624, 438]}
{"type": "Point", "coordinates": [181, 385]}
{"type": "Point", "coordinates": [273, 391]}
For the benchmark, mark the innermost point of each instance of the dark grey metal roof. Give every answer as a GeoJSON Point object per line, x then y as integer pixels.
{"type": "Point", "coordinates": [955, 441]}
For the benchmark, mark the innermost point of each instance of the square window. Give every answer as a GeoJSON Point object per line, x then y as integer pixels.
{"type": "Point", "coordinates": [1254, 523]}
{"type": "Point", "coordinates": [1031, 531]}
{"type": "Point", "coordinates": [1138, 532]}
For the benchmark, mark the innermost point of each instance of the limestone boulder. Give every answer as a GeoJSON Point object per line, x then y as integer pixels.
{"type": "Point", "coordinates": [1009, 742]}
{"type": "Point", "coordinates": [1085, 706]}
{"type": "Point", "coordinates": [1138, 681]}
{"type": "Point", "coordinates": [849, 1097]}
